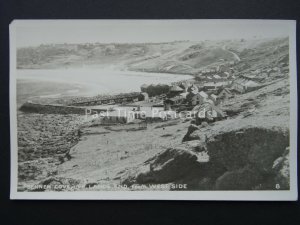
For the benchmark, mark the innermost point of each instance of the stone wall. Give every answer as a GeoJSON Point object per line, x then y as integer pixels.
{"type": "Point", "coordinates": [30, 107]}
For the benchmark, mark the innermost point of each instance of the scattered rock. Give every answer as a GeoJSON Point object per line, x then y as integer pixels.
{"type": "Point", "coordinates": [191, 129]}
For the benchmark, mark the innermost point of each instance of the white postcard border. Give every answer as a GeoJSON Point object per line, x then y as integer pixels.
{"type": "Point", "coordinates": [277, 195]}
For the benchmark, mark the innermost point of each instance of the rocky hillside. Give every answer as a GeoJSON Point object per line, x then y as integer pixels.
{"type": "Point", "coordinates": [258, 54]}
{"type": "Point", "coordinates": [247, 151]}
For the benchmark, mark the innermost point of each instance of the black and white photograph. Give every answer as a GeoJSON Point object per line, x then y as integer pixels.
{"type": "Point", "coordinates": [153, 109]}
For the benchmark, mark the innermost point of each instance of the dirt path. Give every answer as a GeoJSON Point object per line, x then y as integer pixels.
{"type": "Point", "coordinates": [233, 53]}
{"type": "Point", "coordinates": [107, 153]}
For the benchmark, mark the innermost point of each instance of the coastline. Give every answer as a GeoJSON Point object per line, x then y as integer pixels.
{"type": "Point", "coordinates": [61, 134]}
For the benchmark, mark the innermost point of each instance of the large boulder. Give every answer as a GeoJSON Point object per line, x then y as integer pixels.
{"type": "Point", "coordinates": [169, 166]}
{"type": "Point", "coordinates": [246, 159]}
{"type": "Point", "coordinates": [257, 147]}
{"type": "Point", "coordinates": [240, 179]}
{"type": "Point", "coordinates": [174, 165]}
{"type": "Point", "coordinates": [254, 158]}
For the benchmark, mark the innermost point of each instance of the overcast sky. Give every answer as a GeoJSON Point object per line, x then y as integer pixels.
{"type": "Point", "coordinates": [33, 33]}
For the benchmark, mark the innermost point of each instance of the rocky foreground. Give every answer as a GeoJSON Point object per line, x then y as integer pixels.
{"type": "Point", "coordinates": [44, 141]}
{"type": "Point", "coordinates": [247, 151]}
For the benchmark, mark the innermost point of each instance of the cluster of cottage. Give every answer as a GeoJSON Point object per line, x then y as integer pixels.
{"type": "Point", "coordinates": [206, 94]}
{"type": "Point", "coordinates": [203, 96]}
{"type": "Point", "coordinates": [192, 97]}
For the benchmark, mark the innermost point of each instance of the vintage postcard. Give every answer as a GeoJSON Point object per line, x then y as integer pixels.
{"type": "Point", "coordinates": [153, 109]}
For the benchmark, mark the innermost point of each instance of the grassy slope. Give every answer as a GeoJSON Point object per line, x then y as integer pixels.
{"type": "Point", "coordinates": [173, 57]}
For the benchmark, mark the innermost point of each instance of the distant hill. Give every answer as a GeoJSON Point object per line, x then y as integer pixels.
{"type": "Point", "coordinates": [174, 57]}
{"type": "Point", "coordinates": [184, 57]}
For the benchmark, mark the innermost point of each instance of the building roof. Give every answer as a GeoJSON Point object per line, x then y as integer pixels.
{"type": "Point", "coordinates": [285, 68]}
{"type": "Point", "coordinates": [213, 84]}
{"type": "Point", "coordinates": [226, 74]}
{"type": "Point", "coordinates": [209, 106]}
{"type": "Point", "coordinates": [217, 76]}
{"type": "Point", "coordinates": [250, 76]}
{"type": "Point", "coordinates": [174, 99]}
{"type": "Point", "coordinates": [177, 98]}
{"type": "Point", "coordinates": [176, 88]}
{"type": "Point", "coordinates": [251, 83]}
{"type": "Point", "coordinates": [184, 94]}
{"type": "Point", "coordinates": [210, 101]}
{"type": "Point", "coordinates": [144, 86]}
{"type": "Point", "coordinates": [184, 85]}
{"type": "Point", "coordinates": [194, 89]}
{"type": "Point", "coordinates": [203, 94]}
{"type": "Point", "coordinates": [224, 89]}
{"type": "Point", "coordinates": [246, 82]}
